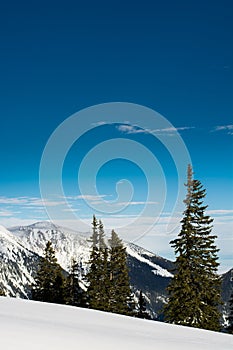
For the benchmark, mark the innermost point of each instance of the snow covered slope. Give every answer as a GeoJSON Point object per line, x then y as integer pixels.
{"type": "Point", "coordinates": [27, 325]}
{"type": "Point", "coordinates": [67, 243]}
{"type": "Point", "coordinates": [17, 265]}
{"type": "Point", "coordinates": [148, 272]}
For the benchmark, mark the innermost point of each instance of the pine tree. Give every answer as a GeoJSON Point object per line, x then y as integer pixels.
{"type": "Point", "coordinates": [49, 281]}
{"type": "Point", "coordinates": [142, 313]}
{"type": "Point", "coordinates": [194, 292]}
{"type": "Point", "coordinates": [74, 294]}
{"type": "Point", "coordinates": [120, 294]}
{"type": "Point", "coordinates": [94, 275]}
{"type": "Point", "coordinates": [103, 270]}
{"type": "Point", "coordinates": [108, 278]}
{"type": "Point", "coordinates": [230, 317]}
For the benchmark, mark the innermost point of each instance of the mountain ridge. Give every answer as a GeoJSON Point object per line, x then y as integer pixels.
{"type": "Point", "coordinates": [21, 248]}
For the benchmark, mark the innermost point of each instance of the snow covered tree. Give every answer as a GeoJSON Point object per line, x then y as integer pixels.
{"type": "Point", "coordinates": [120, 294]}
{"type": "Point", "coordinates": [49, 281]}
{"type": "Point", "coordinates": [142, 313]}
{"type": "Point", "coordinates": [194, 292]}
{"type": "Point", "coordinates": [74, 294]}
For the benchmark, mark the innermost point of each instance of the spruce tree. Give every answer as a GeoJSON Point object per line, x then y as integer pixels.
{"type": "Point", "coordinates": [194, 292]}
{"type": "Point", "coordinates": [94, 275]}
{"type": "Point", "coordinates": [49, 281]}
{"type": "Point", "coordinates": [230, 317]}
{"type": "Point", "coordinates": [142, 313]}
{"type": "Point", "coordinates": [74, 294]}
{"type": "Point", "coordinates": [108, 278]}
{"type": "Point", "coordinates": [120, 294]}
{"type": "Point", "coordinates": [103, 270]}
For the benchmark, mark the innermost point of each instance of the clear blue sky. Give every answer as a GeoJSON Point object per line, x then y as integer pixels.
{"type": "Point", "coordinates": [58, 57]}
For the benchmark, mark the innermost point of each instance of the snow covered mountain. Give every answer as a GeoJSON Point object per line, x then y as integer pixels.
{"type": "Point", "coordinates": [17, 265]}
{"type": "Point", "coordinates": [27, 325]}
{"type": "Point", "coordinates": [66, 243]}
{"type": "Point", "coordinates": [21, 248]}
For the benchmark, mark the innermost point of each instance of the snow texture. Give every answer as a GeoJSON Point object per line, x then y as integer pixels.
{"type": "Point", "coordinates": [33, 325]}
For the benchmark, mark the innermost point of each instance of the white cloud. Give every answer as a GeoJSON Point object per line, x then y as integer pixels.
{"type": "Point", "coordinates": [134, 203]}
{"type": "Point", "coordinates": [30, 201]}
{"type": "Point", "coordinates": [71, 210]}
{"type": "Point", "coordinates": [173, 129]}
{"type": "Point", "coordinates": [100, 123]}
{"type": "Point", "coordinates": [6, 213]}
{"type": "Point", "coordinates": [228, 128]}
{"type": "Point", "coordinates": [13, 221]}
{"type": "Point", "coordinates": [90, 197]}
{"type": "Point", "coordinates": [14, 201]}
{"type": "Point", "coordinates": [131, 129]}
{"type": "Point", "coordinates": [219, 212]}
{"type": "Point", "coordinates": [142, 203]}
{"type": "Point", "coordinates": [45, 202]}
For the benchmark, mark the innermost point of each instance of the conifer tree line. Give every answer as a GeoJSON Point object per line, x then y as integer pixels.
{"type": "Point", "coordinates": [107, 285]}
{"type": "Point", "coordinates": [193, 293]}
{"type": "Point", "coordinates": [53, 285]}
{"type": "Point", "coordinates": [108, 276]}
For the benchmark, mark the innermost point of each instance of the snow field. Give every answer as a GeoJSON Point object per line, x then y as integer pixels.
{"type": "Point", "coordinates": [33, 325]}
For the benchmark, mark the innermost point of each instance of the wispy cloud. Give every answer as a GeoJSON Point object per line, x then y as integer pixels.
{"type": "Point", "coordinates": [219, 212]}
{"type": "Point", "coordinates": [14, 201]}
{"type": "Point", "coordinates": [87, 197]}
{"type": "Point", "coordinates": [173, 129]}
{"type": "Point", "coordinates": [45, 202]}
{"type": "Point", "coordinates": [228, 128]}
{"type": "Point", "coordinates": [137, 203]}
{"type": "Point", "coordinates": [30, 201]}
{"type": "Point", "coordinates": [7, 213]}
{"type": "Point", "coordinates": [100, 123]}
{"type": "Point", "coordinates": [131, 129]}
{"type": "Point", "coordinates": [71, 210]}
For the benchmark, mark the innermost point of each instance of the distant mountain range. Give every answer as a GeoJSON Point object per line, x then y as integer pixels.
{"type": "Point", "coordinates": [22, 247]}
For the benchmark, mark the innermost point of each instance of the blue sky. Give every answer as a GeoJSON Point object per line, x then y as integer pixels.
{"type": "Point", "coordinates": [174, 57]}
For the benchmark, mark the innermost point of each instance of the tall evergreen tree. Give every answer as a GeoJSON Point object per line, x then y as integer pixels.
{"type": "Point", "coordinates": [142, 313]}
{"type": "Point", "coordinates": [194, 292]}
{"type": "Point", "coordinates": [94, 275]}
{"type": "Point", "coordinates": [49, 281]}
{"type": "Point", "coordinates": [103, 270]}
{"type": "Point", "coordinates": [230, 317]}
{"type": "Point", "coordinates": [74, 294]}
{"type": "Point", "coordinates": [108, 278]}
{"type": "Point", "coordinates": [120, 294]}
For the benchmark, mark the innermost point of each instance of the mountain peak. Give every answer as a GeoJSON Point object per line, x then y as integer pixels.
{"type": "Point", "coordinates": [44, 225]}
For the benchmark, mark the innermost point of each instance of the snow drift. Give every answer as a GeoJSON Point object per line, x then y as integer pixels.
{"type": "Point", "coordinates": [33, 325]}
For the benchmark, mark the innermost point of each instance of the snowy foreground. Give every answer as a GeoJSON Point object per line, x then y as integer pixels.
{"type": "Point", "coordinates": [32, 325]}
